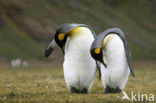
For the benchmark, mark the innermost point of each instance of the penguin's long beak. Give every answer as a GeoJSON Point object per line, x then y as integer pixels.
{"type": "Point", "coordinates": [50, 48]}
{"type": "Point", "coordinates": [63, 49]}
{"type": "Point", "coordinates": [48, 51]}
{"type": "Point", "coordinates": [103, 62]}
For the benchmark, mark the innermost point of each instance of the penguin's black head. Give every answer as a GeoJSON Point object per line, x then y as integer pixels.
{"type": "Point", "coordinates": [61, 39]}
{"type": "Point", "coordinates": [61, 34]}
{"type": "Point", "coordinates": [97, 54]}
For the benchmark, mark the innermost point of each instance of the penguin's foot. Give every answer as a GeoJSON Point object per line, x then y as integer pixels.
{"type": "Point", "coordinates": [112, 90]}
{"type": "Point", "coordinates": [84, 91]}
{"type": "Point", "coordinates": [107, 89]}
{"type": "Point", "coordinates": [74, 90]}
{"type": "Point", "coordinates": [117, 90]}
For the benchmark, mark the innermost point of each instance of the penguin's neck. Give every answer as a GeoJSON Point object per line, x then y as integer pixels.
{"type": "Point", "coordinates": [77, 31]}
{"type": "Point", "coordinates": [108, 38]}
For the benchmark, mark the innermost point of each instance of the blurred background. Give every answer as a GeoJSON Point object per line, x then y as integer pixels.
{"type": "Point", "coordinates": [27, 26]}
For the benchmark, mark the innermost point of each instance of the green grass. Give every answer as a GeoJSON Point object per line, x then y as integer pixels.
{"type": "Point", "coordinates": [45, 84]}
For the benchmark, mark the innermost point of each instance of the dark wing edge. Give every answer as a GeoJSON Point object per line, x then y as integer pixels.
{"type": "Point", "coordinates": [128, 56]}
{"type": "Point", "coordinates": [127, 49]}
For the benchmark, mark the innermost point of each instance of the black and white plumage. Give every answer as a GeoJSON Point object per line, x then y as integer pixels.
{"type": "Point", "coordinates": [111, 49]}
{"type": "Point", "coordinates": [79, 67]}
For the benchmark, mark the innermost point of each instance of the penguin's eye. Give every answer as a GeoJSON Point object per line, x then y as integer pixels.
{"type": "Point", "coordinates": [97, 51]}
{"type": "Point", "coordinates": [61, 36]}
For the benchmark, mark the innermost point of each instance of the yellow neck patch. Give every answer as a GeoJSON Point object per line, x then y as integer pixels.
{"type": "Point", "coordinates": [108, 38]}
{"type": "Point", "coordinates": [61, 36]}
{"type": "Point", "coordinates": [75, 31]}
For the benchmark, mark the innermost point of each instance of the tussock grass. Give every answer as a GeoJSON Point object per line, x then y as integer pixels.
{"type": "Point", "coordinates": [43, 84]}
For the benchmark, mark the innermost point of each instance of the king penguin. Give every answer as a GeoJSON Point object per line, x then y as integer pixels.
{"type": "Point", "coordinates": [111, 49]}
{"type": "Point", "coordinates": [79, 67]}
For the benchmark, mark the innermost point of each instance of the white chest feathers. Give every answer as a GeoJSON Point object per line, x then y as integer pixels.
{"type": "Point", "coordinates": [79, 66]}
{"type": "Point", "coordinates": [117, 72]}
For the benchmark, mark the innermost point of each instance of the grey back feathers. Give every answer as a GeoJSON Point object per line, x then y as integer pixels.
{"type": "Point", "coordinates": [99, 40]}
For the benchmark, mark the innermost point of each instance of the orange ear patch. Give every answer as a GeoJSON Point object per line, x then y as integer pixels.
{"type": "Point", "coordinates": [97, 50]}
{"type": "Point", "coordinates": [61, 36]}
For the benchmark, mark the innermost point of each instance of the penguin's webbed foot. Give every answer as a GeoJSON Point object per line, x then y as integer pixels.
{"type": "Point", "coordinates": [84, 91]}
{"type": "Point", "coordinates": [107, 89]}
{"type": "Point", "coordinates": [74, 90]}
{"type": "Point", "coordinates": [112, 90]}
{"type": "Point", "coordinates": [117, 90]}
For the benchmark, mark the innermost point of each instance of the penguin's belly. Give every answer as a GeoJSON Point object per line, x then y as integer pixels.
{"type": "Point", "coordinates": [79, 67]}
{"type": "Point", "coordinates": [117, 71]}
